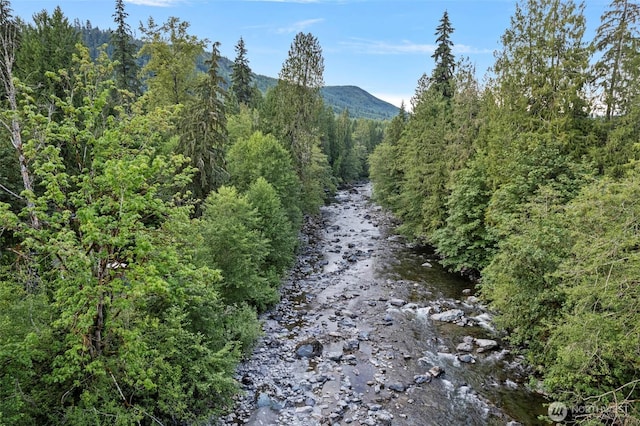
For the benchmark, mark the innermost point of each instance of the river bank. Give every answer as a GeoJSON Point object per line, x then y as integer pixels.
{"type": "Point", "coordinates": [372, 331]}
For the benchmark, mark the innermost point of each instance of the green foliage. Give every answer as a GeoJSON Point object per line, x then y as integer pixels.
{"type": "Point", "coordinates": [425, 173]}
{"type": "Point", "coordinates": [385, 166]}
{"type": "Point", "coordinates": [124, 51]}
{"type": "Point", "coordinates": [241, 77]}
{"type": "Point", "coordinates": [170, 73]}
{"type": "Point", "coordinates": [276, 228]}
{"type": "Point", "coordinates": [263, 156]}
{"type": "Point", "coordinates": [293, 109]}
{"type": "Point", "coordinates": [465, 242]}
{"type": "Point", "coordinates": [519, 281]}
{"type": "Point", "coordinates": [233, 243]}
{"type": "Point", "coordinates": [617, 69]}
{"type": "Point", "coordinates": [442, 75]}
{"type": "Point", "coordinates": [203, 131]}
{"type": "Point", "coordinates": [116, 325]}
{"type": "Point", "coordinates": [592, 351]}
{"type": "Point", "coordinates": [46, 46]}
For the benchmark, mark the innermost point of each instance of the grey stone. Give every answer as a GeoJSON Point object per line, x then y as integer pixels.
{"type": "Point", "coordinates": [464, 347]}
{"type": "Point", "coordinates": [335, 356]}
{"type": "Point", "coordinates": [422, 378]}
{"type": "Point", "coordinates": [351, 345]}
{"type": "Point", "coordinates": [309, 348]}
{"type": "Point", "coordinates": [448, 316]}
{"type": "Point", "coordinates": [398, 387]}
{"type": "Point", "coordinates": [485, 344]}
{"type": "Point", "coordinates": [467, 358]}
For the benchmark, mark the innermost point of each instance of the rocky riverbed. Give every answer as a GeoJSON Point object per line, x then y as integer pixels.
{"type": "Point", "coordinates": [371, 331]}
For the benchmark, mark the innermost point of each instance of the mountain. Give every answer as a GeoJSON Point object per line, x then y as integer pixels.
{"type": "Point", "coordinates": [359, 103]}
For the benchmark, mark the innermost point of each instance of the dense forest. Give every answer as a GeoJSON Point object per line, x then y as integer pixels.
{"type": "Point", "coordinates": [530, 184]}
{"type": "Point", "coordinates": [148, 212]}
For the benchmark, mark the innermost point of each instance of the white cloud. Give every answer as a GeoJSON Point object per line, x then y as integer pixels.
{"type": "Point", "coordinates": [464, 49]}
{"type": "Point", "coordinates": [377, 47]}
{"type": "Point", "coordinates": [299, 26]}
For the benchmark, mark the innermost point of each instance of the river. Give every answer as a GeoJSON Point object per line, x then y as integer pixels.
{"type": "Point", "coordinates": [372, 331]}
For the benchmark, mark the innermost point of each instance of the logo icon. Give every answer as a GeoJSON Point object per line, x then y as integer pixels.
{"type": "Point", "coordinates": [557, 411]}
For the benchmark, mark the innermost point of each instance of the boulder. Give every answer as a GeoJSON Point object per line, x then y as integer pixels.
{"type": "Point", "coordinates": [309, 348]}
{"type": "Point", "coordinates": [436, 371]}
{"type": "Point", "coordinates": [485, 344]}
{"type": "Point", "coordinates": [466, 358]}
{"type": "Point", "coordinates": [464, 347]}
{"type": "Point", "coordinates": [451, 315]}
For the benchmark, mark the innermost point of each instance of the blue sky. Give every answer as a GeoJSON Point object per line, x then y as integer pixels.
{"type": "Point", "coordinates": [382, 46]}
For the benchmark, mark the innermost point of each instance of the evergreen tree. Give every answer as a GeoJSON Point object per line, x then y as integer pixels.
{"type": "Point", "coordinates": [241, 77]}
{"type": "Point", "coordinates": [592, 352]}
{"type": "Point", "coordinates": [385, 163]}
{"type": "Point", "coordinates": [233, 243]}
{"type": "Point", "coordinates": [442, 75]}
{"type": "Point", "coordinates": [618, 39]}
{"type": "Point", "coordinates": [296, 107]}
{"type": "Point", "coordinates": [124, 52]}
{"type": "Point", "coordinates": [120, 335]}
{"type": "Point", "coordinates": [46, 46]}
{"type": "Point", "coordinates": [203, 131]}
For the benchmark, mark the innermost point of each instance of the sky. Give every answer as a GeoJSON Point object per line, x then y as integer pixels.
{"type": "Point", "coordinates": [381, 46]}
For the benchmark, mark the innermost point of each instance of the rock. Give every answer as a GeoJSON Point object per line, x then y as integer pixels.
{"type": "Point", "coordinates": [309, 348]}
{"type": "Point", "coordinates": [351, 345]}
{"type": "Point", "coordinates": [304, 410]}
{"type": "Point", "coordinates": [485, 344]}
{"type": "Point", "coordinates": [397, 302]}
{"type": "Point", "coordinates": [349, 314]}
{"type": "Point", "coordinates": [422, 378]}
{"type": "Point", "coordinates": [464, 347]}
{"type": "Point", "coordinates": [473, 300]}
{"type": "Point", "coordinates": [398, 387]}
{"type": "Point", "coordinates": [466, 358]}
{"type": "Point", "coordinates": [466, 291]}
{"type": "Point", "coordinates": [448, 316]}
{"type": "Point", "coordinates": [427, 265]}
{"type": "Point", "coordinates": [384, 418]}
{"type": "Point", "coordinates": [436, 371]}
{"type": "Point", "coordinates": [263, 400]}
{"type": "Point", "coordinates": [335, 356]}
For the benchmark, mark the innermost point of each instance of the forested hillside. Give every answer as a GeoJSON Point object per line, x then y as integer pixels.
{"type": "Point", "coordinates": [148, 214]}
{"type": "Point", "coordinates": [530, 183]}
{"type": "Point", "coordinates": [358, 102]}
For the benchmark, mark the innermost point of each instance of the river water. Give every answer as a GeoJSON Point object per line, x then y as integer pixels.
{"type": "Point", "coordinates": [354, 337]}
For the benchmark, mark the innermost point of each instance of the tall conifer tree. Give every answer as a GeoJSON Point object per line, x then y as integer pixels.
{"type": "Point", "coordinates": [124, 51]}
{"type": "Point", "coordinates": [618, 38]}
{"type": "Point", "coordinates": [203, 130]}
{"type": "Point", "coordinates": [241, 75]}
{"type": "Point", "coordinates": [442, 78]}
